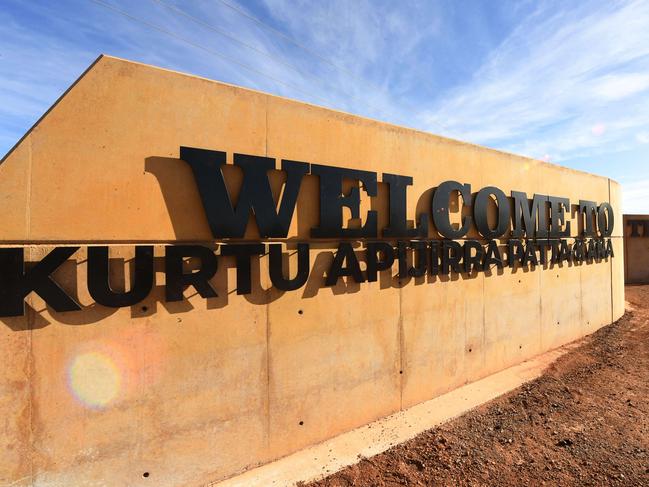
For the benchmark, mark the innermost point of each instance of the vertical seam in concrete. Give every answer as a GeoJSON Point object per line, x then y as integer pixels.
{"type": "Point", "coordinates": [267, 312]}
{"type": "Point", "coordinates": [30, 387]}
{"type": "Point", "coordinates": [28, 216]}
{"type": "Point", "coordinates": [626, 257]}
{"type": "Point", "coordinates": [268, 375]}
{"type": "Point", "coordinates": [541, 309]}
{"type": "Point", "coordinates": [266, 127]}
{"type": "Point", "coordinates": [611, 259]}
{"type": "Point", "coordinates": [581, 300]}
{"type": "Point", "coordinates": [484, 321]}
{"type": "Point", "coordinates": [465, 319]}
{"type": "Point", "coordinates": [400, 336]}
{"type": "Point", "coordinates": [30, 318]}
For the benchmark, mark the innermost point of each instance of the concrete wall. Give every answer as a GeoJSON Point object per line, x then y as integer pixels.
{"type": "Point", "coordinates": [195, 391]}
{"type": "Point", "coordinates": [636, 249]}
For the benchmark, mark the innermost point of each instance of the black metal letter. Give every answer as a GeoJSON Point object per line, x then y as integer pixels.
{"type": "Point", "coordinates": [635, 224]}
{"type": "Point", "coordinates": [99, 281]}
{"type": "Point", "coordinates": [588, 211]}
{"type": "Point", "coordinates": [605, 223]}
{"type": "Point", "coordinates": [451, 257]}
{"type": "Point", "coordinates": [558, 207]}
{"type": "Point", "coordinates": [243, 254]}
{"type": "Point", "coordinates": [255, 194]}
{"type": "Point", "coordinates": [398, 203]}
{"type": "Point", "coordinates": [344, 254]}
{"type": "Point", "coordinates": [373, 263]}
{"type": "Point", "coordinates": [419, 269]}
{"type": "Point", "coordinates": [440, 208]}
{"type": "Point", "coordinates": [277, 274]}
{"type": "Point", "coordinates": [177, 281]}
{"type": "Point", "coordinates": [481, 208]}
{"type": "Point", "coordinates": [525, 218]}
{"type": "Point", "coordinates": [332, 201]}
{"type": "Point", "coordinates": [492, 256]}
{"type": "Point", "coordinates": [16, 284]}
{"type": "Point", "coordinates": [472, 262]}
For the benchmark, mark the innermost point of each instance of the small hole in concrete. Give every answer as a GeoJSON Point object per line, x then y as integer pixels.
{"type": "Point", "coordinates": [520, 346]}
{"type": "Point", "coordinates": [557, 275]}
{"type": "Point", "coordinates": [557, 322]}
{"type": "Point", "coordinates": [470, 350]}
{"type": "Point", "coordinates": [145, 308]}
{"type": "Point", "coordinates": [401, 371]}
{"type": "Point", "coordinates": [299, 311]}
{"type": "Point", "coordinates": [145, 474]}
{"type": "Point", "coordinates": [301, 423]}
{"type": "Point", "coordinates": [519, 280]}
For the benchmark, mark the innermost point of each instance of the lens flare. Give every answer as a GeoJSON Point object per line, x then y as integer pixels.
{"type": "Point", "coordinates": [598, 129]}
{"type": "Point", "coordinates": [94, 379]}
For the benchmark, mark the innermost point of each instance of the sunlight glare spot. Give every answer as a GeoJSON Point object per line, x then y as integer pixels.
{"type": "Point", "coordinates": [94, 379]}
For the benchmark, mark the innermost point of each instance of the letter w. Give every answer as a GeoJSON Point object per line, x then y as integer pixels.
{"type": "Point", "coordinates": [255, 194]}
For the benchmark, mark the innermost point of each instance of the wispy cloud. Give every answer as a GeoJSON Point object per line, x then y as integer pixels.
{"type": "Point", "coordinates": [634, 196]}
{"type": "Point", "coordinates": [558, 80]}
{"type": "Point", "coordinates": [569, 80]}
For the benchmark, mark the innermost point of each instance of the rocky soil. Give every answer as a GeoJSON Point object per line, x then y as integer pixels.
{"type": "Point", "coordinates": [584, 422]}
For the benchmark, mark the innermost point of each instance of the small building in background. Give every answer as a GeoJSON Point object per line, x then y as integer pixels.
{"type": "Point", "coordinates": [636, 249]}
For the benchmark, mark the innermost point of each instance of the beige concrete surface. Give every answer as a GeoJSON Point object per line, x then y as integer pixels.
{"type": "Point", "coordinates": [333, 455]}
{"type": "Point", "coordinates": [196, 391]}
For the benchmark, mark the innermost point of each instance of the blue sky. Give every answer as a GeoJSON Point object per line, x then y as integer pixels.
{"type": "Point", "coordinates": [564, 81]}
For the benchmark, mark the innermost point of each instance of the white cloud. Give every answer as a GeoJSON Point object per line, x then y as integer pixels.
{"type": "Point", "coordinates": [556, 77]}
{"type": "Point", "coordinates": [634, 197]}
{"type": "Point", "coordinates": [619, 86]}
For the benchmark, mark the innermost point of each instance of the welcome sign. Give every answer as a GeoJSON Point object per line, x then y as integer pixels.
{"type": "Point", "coordinates": [537, 227]}
{"type": "Point", "coordinates": [197, 278]}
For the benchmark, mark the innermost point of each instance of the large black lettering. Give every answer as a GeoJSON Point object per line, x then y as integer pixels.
{"type": "Point", "coordinates": [451, 257]}
{"type": "Point", "coordinates": [332, 201]}
{"type": "Point", "coordinates": [558, 207]}
{"type": "Point", "coordinates": [255, 194]}
{"type": "Point", "coordinates": [176, 280]}
{"type": "Point", "coordinates": [605, 220]}
{"type": "Point", "coordinates": [398, 202]}
{"type": "Point", "coordinates": [344, 255]}
{"type": "Point", "coordinates": [473, 262]}
{"type": "Point", "coordinates": [374, 264]}
{"type": "Point", "coordinates": [441, 212]}
{"type": "Point", "coordinates": [526, 218]}
{"type": "Point", "coordinates": [16, 284]}
{"type": "Point", "coordinates": [277, 274]}
{"type": "Point", "coordinates": [481, 208]}
{"type": "Point", "coordinates": [99, 282]}
{"type": "Point", "coordinates": [588, 212]}
{"type": "Point", "coordinates": [243, 254]}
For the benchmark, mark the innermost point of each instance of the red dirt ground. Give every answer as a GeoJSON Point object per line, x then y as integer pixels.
{"type": "Point", "coordinates": [584, 422]}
